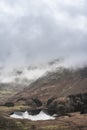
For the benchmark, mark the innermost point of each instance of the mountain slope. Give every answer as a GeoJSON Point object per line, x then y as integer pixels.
{"type": "Point", "coordinates": [13, 80]}
{"type": "Point", "coordinates": [26, 74]}
{"type": "Point", "coordinates": [59, 83]}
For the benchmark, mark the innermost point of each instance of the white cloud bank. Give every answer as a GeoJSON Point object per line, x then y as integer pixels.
{"type": "Point", "coordinates": [39, 30]}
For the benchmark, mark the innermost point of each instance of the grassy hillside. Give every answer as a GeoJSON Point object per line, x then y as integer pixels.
{"type": "Point", "coordinates": [59, 83]}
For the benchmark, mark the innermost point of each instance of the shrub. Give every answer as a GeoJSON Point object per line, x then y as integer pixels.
{"type": "Point", "coordinates": [9, 104]}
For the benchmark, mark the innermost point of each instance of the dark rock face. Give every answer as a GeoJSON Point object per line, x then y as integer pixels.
{"type": "Point", "coordinates": [31, 112]}
{"type": "Point", "coordinates": [71, 103]}
{"type": "Point", "coordinates": [51, 112]}
{"type": "Point", "coordinates": [34, 112]}
{"type": "Point", "coordinates": [83, 72]}
{"type": "Point", "coordinates": [9, 104]}
{"type": "Point", "coordinates": [84, 109]}
{"type": "Point", "coordinates": [37, 102]}
{"type": "Point", "coordinates": [50, 100]}
{"type": "Point", "coordinates": [78, 101]}
{"type": "Point", "coordinates": [75, 103]}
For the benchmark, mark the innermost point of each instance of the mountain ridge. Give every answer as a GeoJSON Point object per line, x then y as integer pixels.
{"type": "Point", "coordinates": [59, 83]}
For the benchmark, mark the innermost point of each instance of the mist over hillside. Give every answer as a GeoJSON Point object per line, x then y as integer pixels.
{"type": "Point", "coordinates": [26, 74]}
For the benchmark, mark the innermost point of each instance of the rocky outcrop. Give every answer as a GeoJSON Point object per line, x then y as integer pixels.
{"type": "Point", "coordinates": [72, 103]}
{"type": "Point", "coordinates": [34, 112]}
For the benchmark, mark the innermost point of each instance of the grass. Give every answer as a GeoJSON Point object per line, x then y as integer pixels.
{"type": "Point", "coordinates": [55, 127]}
{"type": "Point", "coordinates": [7, 123]}
{"type": "Point", "coordinates": [12, 109]}
{"type": "Point", "coordinates": [7, 92]}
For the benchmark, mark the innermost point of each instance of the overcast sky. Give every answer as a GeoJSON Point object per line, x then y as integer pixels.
{"type": "Point", "coordinates": [39, 30]}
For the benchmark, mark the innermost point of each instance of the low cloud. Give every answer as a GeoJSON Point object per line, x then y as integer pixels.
{"type": "Point", "coordinates": [37, 31]}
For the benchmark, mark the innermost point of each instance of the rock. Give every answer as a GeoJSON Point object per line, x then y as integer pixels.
{"type": "Point", "coordinates": [34, 112]}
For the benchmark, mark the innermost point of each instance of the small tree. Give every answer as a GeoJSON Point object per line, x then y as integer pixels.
{"type": "Point", "coordinates": [37, 102]}
{"type": "Point", "coordinates": [50, 100]}
{"type": "Point", "coordinates": [9, 104]}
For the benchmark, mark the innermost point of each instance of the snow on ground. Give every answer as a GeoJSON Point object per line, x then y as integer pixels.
{"type": "Point", "coordinates": [25, 115]}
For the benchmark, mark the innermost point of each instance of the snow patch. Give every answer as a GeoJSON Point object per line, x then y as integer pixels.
{"type": "Point", "coordinates": [26, 115]}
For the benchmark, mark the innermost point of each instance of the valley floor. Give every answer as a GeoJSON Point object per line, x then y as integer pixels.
{"type": "Point", "coordinates": [75, 121]}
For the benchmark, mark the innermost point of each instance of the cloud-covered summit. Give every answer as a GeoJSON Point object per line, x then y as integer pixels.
{"type": "Point", "coordinates": [40, 30]}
